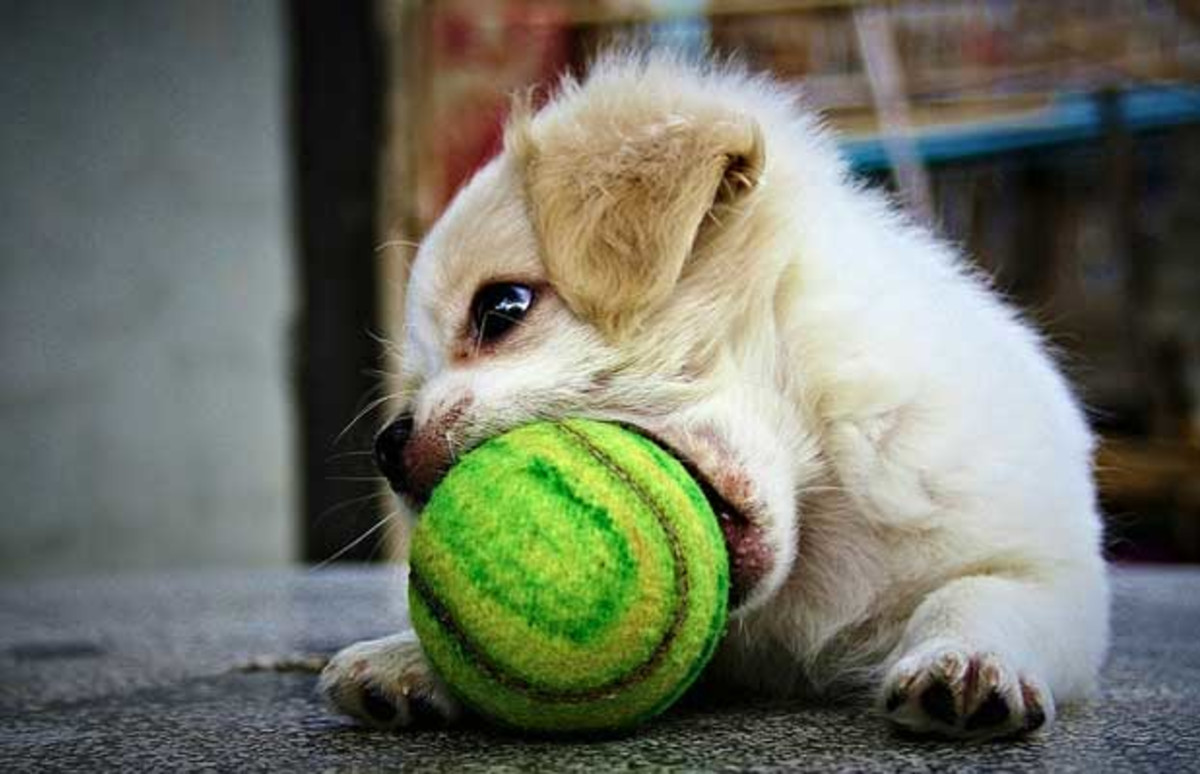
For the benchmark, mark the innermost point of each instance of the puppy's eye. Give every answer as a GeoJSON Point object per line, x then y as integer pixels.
{"type": "Point", "coordinates": [497, 308]}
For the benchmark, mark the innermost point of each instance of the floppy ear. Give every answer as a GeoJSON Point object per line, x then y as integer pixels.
{"type": "Point", "coordinates": [619, 208]}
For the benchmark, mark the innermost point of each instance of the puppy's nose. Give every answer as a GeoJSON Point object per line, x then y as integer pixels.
{"type": "Point", "coordinates": [389, 451]}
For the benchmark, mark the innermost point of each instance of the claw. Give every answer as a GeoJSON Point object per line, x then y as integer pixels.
{"type": "Point", "coordinates": [952, 692]}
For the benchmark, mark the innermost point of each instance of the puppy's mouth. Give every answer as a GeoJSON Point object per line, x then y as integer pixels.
{"type": "Point", "coordinates": [750, 557]}
{"type": "Point", "coordinates": [740, 518]}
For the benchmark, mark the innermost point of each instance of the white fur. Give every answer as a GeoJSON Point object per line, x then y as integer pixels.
{"type": "Point", "coordinates": [919, 465]}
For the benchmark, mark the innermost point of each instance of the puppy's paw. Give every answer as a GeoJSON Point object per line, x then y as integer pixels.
{"type": "Point", "coordinates": [950, 690]}
{"type": "Point", "coordinates": [388, 683]}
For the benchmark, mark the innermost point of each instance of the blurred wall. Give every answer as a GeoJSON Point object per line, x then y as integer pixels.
{"type": "Point", "coordinates": [145, 286]}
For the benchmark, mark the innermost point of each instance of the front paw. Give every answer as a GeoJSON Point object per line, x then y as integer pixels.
{"type": "Point", "coordinates": [950, 690]}
{"type": "Point", "coordinates": [388, 683]}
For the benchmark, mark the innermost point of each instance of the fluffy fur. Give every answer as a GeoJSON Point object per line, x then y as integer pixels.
{"type": "Point", "coordinates": [913, 467]}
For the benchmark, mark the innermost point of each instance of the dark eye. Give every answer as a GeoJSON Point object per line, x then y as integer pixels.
{"type": "Point", "coordinates": [497, 308]}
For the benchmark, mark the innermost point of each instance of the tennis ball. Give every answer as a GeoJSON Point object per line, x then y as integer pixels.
{"type": "Point", "coordinates": [568, 576]}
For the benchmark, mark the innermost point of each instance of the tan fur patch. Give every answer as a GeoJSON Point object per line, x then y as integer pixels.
{"type": "Point", "coordinates": [618, 208]}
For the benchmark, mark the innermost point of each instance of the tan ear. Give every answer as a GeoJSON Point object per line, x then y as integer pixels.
{"type": "Point", "coordinates": [618, 208]}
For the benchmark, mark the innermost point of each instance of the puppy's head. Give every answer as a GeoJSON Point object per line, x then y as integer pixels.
{"type": "Point", "coordinates": [604, 265]}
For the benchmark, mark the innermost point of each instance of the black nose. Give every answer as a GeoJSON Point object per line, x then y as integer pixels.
{"type": "Point", "coordinates": [389, 451]}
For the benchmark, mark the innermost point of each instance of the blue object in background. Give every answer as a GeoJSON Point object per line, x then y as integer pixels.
{"type": "Point", "coordinates": [1070, 118]}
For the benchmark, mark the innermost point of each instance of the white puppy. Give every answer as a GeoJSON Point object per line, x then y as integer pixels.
{"type": "Point", "coordinates": [903, 476]}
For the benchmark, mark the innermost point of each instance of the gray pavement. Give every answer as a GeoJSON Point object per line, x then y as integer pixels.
{"type": "Point", "coordinates": [148, 673]}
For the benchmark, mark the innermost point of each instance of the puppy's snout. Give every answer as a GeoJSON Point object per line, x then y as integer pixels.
{"type": "Point", "coordinates": [415, 459]}
{"type": "Point", "coordinates": [389, 452]}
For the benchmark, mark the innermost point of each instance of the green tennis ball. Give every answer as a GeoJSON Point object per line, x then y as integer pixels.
{"type": "Point", "coordinates": [568, 576]}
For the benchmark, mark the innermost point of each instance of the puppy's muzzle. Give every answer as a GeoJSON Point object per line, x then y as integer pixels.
{"type": "Point", "coordinates": [413, 460]}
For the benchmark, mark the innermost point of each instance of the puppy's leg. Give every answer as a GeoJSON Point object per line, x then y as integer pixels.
{"type": "Point", "coordinates": [388, 683]}
{"type": "Point", "coordinates": [987, 656]}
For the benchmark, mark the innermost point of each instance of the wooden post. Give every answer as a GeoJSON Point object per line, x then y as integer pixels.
{"type": "Point", "coordinates": [336, 71]}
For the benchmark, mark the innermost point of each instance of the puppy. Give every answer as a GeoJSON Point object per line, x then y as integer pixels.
{"type": "Point", "coordinates": [903, 476]}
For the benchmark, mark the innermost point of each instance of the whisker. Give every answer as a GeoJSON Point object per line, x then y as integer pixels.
{"type": "Point", "coordinates": [344, 455]}
{"type": "Point", "coordinates": [450, 448]}
{"type": "Point", "coordinates": [381, 374]}
{"type": "Point", "coordinates": [358, 417]}
{"type": "Point", "coordinates": [357, 541]}
{"type": "Point", "coordinates": [351, 503]}
{"type": "Point", "coordinates": [388, 345]}
{"type": "Point", "coordinates": [479, 334]}
{"type": "Point", "coordinates": [379, 545]}
{"type": "Point", "coordinates": [397, 243]}
{"type": "Point", "coordinates": [478, 339]}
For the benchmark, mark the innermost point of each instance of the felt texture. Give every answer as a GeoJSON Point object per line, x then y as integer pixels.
{"type": "Point", "coordinates": [568, 576]}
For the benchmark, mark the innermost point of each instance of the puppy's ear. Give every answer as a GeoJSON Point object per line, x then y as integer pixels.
{"type": "Point", "coordinates": [618, 207]}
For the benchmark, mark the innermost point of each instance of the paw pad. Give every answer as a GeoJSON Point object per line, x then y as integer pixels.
{"type": "Point", "coordinates": [952, 692]}
{"type": "Point", "coordinates": [387, 684]}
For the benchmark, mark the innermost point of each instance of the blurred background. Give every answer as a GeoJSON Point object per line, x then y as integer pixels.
{"type": "Point", "coordinates": [207, 208]}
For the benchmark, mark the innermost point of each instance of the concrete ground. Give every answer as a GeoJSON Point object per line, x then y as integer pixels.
{"type": "Point", "coordinates": [157, 672]}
